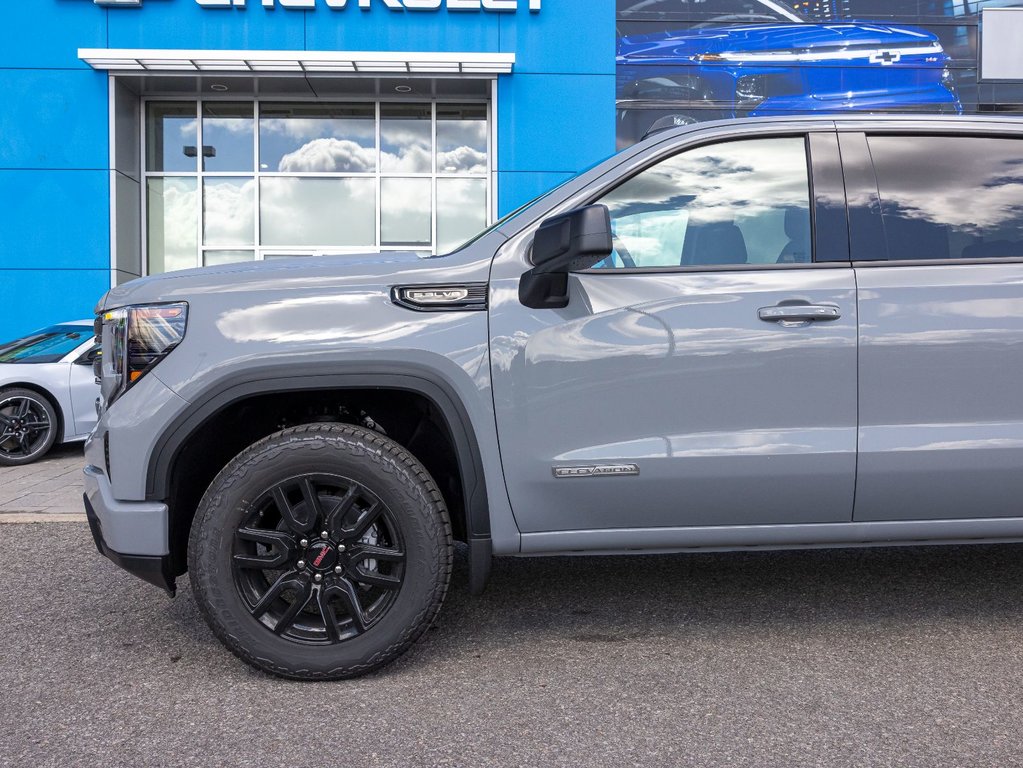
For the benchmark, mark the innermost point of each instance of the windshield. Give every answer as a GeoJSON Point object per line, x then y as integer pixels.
{"type": "Point", "coordinates": [501, 221]}
{"type": "Point", "coordinates": [46, 346]}
{"type": "Point", "coordinates": [509, 216]}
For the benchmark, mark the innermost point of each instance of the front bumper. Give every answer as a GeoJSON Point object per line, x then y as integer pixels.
{"type": "Point", "coordinates": [131, 534]}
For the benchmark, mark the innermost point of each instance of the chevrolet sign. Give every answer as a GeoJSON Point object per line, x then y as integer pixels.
{"type": "Point", "coordinates": [394, 5]}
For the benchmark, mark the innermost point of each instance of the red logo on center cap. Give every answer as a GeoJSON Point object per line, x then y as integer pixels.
{"type": "Point", "coordinates": [319, 557]}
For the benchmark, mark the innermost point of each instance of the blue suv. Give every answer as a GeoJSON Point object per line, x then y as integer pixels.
{"type": "Point", "coordinates": [756, 58]}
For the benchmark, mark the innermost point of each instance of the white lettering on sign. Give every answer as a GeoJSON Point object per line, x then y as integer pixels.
{"type": "Point", "coordinates": [394, 5]}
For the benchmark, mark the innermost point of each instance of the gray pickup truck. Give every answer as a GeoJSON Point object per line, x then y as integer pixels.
{"type": "Point", "coordinates": [776, 333]}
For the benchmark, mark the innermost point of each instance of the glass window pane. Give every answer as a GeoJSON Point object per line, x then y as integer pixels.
{"type": "Point", "coordinates": [172, 136]}
{"type": "Point", "coordinates": [228, 210]}
{"type": "Point", "coordinates": [405, 212]}
{"type": "Point", "coordinates": [213, 258]}
{"type": "Point", "coordinates": [739, 202]}
{"type": "Point", "coordinates": [318, 212]}
{"type": "Point", "coordinates": [324, 138]}
{"type": "Point", "coordinates": [227, 141]}
{"type": "Point", "coordinates": [172, 211]}
{"type": "Point", "coordinates": [968, 206]}
{"type": "Point", "coordinates": [461, 211]}
{"type": "Point", "coordinates": [406, 138]}
{"type": "Point", "coordinates": [462, 138]}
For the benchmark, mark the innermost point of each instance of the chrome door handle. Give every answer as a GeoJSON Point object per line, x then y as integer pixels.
{"type": "Point", "coordinates": [799, 312]}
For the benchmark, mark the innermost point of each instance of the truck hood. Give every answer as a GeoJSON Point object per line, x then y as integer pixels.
{"type": "Point", "coordinates": [328, 273]}
{"type": "Point", "coordinates": [761, 38]}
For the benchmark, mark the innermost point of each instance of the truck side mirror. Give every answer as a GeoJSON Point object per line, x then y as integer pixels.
{"type": "Point", "coordinates": [565, 243]}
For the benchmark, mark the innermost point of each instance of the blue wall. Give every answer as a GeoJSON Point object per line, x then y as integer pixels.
{"type": "Point", "coordinates": [54, 183]}
{"type": "Point", "coordinates": [556, 113]}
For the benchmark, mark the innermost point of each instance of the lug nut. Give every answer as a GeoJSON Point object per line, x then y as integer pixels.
{"type": "Point", "coordinates": [317, 578]}
{"type": "Point", "coordinates": [324, 535]}
{"type": "Point", "coordinates": [340, 547]}
{"type": "Point", "coordinates": [304, 543]}
{"type": "Point", "coordinates": [300, 564]}
{"type": "Point", "coordinates": [338, 569]}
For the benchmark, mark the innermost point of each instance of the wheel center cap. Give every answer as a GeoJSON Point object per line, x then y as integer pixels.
{"type": "Point", "coordinates": [322, 556]}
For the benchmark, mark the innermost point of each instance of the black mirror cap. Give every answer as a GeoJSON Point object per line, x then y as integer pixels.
{"type": "Point", "coordinates": [574, 240]}
{"type": "Point", "coordinates": [544, 290]}
{"type": "Point", "coordinates": [562, 244]}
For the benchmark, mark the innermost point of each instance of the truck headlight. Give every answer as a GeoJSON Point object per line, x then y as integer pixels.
{"type": "Point", "coordinates": [137, 338]}
{"type": "Point", "coordinates": [948, 78]}
{"type": "Point", "coordinates": [750, 90]}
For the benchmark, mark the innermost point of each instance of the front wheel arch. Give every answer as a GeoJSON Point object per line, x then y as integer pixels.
{"type": "Point", "coordinates": [165, 474]}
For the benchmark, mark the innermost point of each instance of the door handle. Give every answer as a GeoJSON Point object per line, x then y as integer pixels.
{"type": "Point", "coordinates": [801, 313]}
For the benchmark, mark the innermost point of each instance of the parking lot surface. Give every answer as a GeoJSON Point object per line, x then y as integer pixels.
{"type": "Point", "coordinates": [908, 657]}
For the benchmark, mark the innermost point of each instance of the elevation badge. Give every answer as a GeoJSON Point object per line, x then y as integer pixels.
{"type": "Point", "coordinates": [596, 470]}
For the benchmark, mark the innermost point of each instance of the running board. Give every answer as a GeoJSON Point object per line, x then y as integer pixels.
{"type": "Point", "coordinates": [804, 536]}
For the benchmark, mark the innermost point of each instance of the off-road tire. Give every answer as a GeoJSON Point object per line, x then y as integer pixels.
{"type": "Point", "coordinates": [381, 465]}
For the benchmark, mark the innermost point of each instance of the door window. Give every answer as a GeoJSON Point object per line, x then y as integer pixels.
{"type": "Point", "coordinates": [950, 197]}
{"type": "Point", "coordinates": [739, 202]}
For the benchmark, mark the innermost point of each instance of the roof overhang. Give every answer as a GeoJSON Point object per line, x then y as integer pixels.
{"type": "Point", "coordinates": [305, 62]}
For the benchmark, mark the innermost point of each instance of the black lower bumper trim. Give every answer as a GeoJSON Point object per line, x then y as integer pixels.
{"type": "Point", "coordinates": [155, 569]}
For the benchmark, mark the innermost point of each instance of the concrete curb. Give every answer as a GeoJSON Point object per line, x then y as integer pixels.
{"type": "Point", "coordinates": [41, 517]}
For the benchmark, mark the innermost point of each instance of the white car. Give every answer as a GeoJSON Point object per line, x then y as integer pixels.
{"type": "Point", "coordinates": [48, 390]}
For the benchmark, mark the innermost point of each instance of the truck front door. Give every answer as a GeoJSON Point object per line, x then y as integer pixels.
{"type": "Point", "coordinates": [703, 375]}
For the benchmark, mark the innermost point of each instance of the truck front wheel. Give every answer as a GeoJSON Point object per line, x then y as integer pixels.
{"type": "Point", "coordinates": [321, 552]}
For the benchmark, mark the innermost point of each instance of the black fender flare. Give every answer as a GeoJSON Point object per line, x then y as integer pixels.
{"type": "Point", "coordinates": [318, 376]}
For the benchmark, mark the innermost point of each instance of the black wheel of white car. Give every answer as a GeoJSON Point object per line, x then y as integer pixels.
{"type": "Point", "coordinates": [321, 552]}
{"type": "Point", "coordinates": [28, 426]}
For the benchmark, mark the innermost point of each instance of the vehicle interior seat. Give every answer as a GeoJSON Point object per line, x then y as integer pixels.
{"type": "Point", "coordinates": [797, 230]}
{"type": "Point", "coordinates": [992, 249]}
{"type": "Point", "coordinates": [713, 243]}
{"type": "Point", "coordinates": [915, 238]}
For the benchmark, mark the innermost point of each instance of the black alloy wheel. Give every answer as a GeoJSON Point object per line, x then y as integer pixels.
{"type": "Point", "coordinates": [28, 426]}
{"type": "Point", "coordinates": [321, 552]}
{"type": "Point", "coordinates": [318, 559]}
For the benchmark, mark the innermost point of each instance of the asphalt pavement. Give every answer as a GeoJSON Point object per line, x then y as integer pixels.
{"type": "Point", "coordinates": [905, 657]}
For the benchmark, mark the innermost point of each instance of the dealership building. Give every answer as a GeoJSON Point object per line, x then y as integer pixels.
{"type": "Point", "coordinates": [152, 135]}
{"type": "Point", "coordinates": [145, 136]}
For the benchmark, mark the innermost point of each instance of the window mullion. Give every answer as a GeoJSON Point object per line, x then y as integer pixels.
{"type": "Point", "coordinates": [433, 180]}
{"type": "Point", "coordinates": [379, 173]}
{"type": "Point", "coordinates": [200, 181]}
{"type": "Point", "coordinates": [257, 177]}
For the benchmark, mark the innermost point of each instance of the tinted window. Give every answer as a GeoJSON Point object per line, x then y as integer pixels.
{"type": "Point", "coordinates": [740, 202]}
{"type": "Point", "coordinates": [950, 197]}
{"type": "Point", "coordinates": [46, 346]}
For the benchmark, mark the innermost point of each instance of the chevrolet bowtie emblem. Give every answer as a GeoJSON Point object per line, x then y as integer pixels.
{"type": "Point", "coordinates": [885, 57]}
